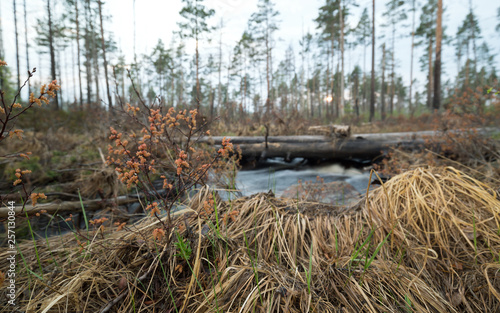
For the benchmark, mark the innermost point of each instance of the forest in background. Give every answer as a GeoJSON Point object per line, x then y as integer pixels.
{"type": "Point", "coordinates": [252, 80]}
{"type": "Point", "coordinates": [115, 196]}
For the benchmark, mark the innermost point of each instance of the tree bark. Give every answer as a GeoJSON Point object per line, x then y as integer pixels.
{"type": "Point", "coordinates": [73, 73]}
{"type": "Point", "coordinates": [327, 76]}
{"type": "Point", "coordinates": [198, 97]}
{"type": "Point", "coordinates": [17, 46]}
{"type": "Point", "coordinates": [95, 58]}
{"type": "Point", "coordinates": [355, 94]}
{"type": "Point", "coordinates": [411, 62]}
{"type": "Point", "coordinates": [333, 106]}
{"type": "Point", "coordinates": [110, 104]}
{"type": "Point", "coordinates": [27, 43]}
{"type": "Point", "coordinates": [268, 99]}
{"type": "Point", "coordinates": [341, 91]}
{"type": "Point", "coordinates": [473, 36]}
{"type": "Point", "coordinates": [382, 88]}
{"type": "Point", "coordinates": [52, 52]}
{"type": "Point", "coordinates": [391, 109]}
{"type": "Point", "coordinates": [429, 86]}
{"type": "Point", "coordinates": [88, 55]}
{"type": "Point", "coordinates": [398, 136]}
{"type": "Point", "coordinates": [342, 150]}
{"type": "Point", "coordinates": [364, 79]}
{"type": "Point", "coordinates": [372, 96]}
{"type": "Point", "coordinates": [437, 67]}
{"type": "Point", "coordinates": [212, 100]}
{"type": "Point", "coordinates": [219, 86]}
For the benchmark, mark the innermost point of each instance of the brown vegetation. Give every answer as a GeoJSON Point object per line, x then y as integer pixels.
{"type": "Point", "coordinates": [426, 241]}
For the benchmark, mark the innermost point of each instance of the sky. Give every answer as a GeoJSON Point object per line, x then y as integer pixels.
{"type": "Point", "coordinates": [156, 19]}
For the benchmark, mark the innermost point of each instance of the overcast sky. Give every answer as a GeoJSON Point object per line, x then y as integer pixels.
{"type": "Point", "coordinates": [158, 18]}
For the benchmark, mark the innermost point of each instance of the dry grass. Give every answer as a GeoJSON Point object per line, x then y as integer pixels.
{"type": "Point", "coordinates": [427, 241]}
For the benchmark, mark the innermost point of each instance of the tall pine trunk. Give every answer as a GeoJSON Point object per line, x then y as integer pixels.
{"type": "Point", "coordinates": [219, 86]}
{"type": "Point", "coordinates": [364, 79]}
{"type": "Point", "coordinates": [372, 96]}
{"type": "Point", "coordinates": [52, 52]}
{"type": "Point", "coordinates": [27, 43]}
{"type": "Point", "coordinates": [110, 103]}
{"type": "Point", "coordinates": [411, 62]}
{"type": "Point", "coordinates": [95, 58]}
{"type": "Point", "coordinates": [78, 54]}
{"type": "Point", "coordinates": [393, 90]}
{"type": "Point", "coordinates": [437, 68]}
{"type": "Point", "coordinates": [198, 96]}
{"type": "Point", "coordinates": [88, 54]}
{"type": "Point", "coordinates": [17, 47]}
{"type": "Point", "coordinates": [73, 74]}
{"type": "Point", "coordinates": [429, 86]}
{"type": "Point", "coordinates": [355, 94]}
{"type": "Point", "coordinates": [59, 74]}
{"type": "Point", "coordinates": [268, 99]}
{"type": "Point", "coordinates": [382, 88]}
{"type": "Point", "coordinates": [341, 91]}
{"type": "Point", "coordinates": [327, 87]}
{"type": "Point", "coordinates": [473, 37]}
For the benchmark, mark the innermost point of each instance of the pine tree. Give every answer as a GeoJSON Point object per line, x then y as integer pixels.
{"type": "Point", "coordinates": [219, 70]}
{"type": "Point", "coordinates": [362, 32]}
{"type": "Point", "coordinates": [162, 61]}
{"type": "Point", "coordinates": [242, 53]}
{"type": "Point", "coordinates": [195, 25]}
{"type": "Point", "coordinates": [413, 9]}
{"type": "Point", "coordinates": [437, 68]}
{"type": "Point", "coordinates": [426, 31]}
{"type": "Point", "coordinates": [78, 54]}
{"type": "Point", "coordinates": [467, 35]}
{"type": "Point", "coordinates": [51, 37]}
{"type": "Point", "coordinates": [305, 44]}
{"type": "Point", "coordinates": [382, 88]}
{"type": "Point", "coordinates": [395, 13]}
{"type": "Point", "coordinates": [329, 22]}
{"type": "Point", "coordinates": [105, 61]}
{"type": "Point", "coordinates": [355, 78]}
{"type": "Point", "coordinates": [262, 26]}
{"type": "Point", "coordinates": [372, 95]}
{"type": "Point", "coordinates": [17, 46]}
{"type": "Point", "coordinates": [51, 50]}
{"type": "Point", "coordinates": [27, 44]}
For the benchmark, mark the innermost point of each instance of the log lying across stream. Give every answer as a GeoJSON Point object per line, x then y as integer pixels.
{"type": "Point", "coordinates": [364, 147]}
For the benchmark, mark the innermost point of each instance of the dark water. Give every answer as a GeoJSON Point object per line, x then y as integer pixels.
{"type": "Point", "coordinates": [278, 176]}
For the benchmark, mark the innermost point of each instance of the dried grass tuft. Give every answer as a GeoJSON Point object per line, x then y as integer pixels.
{"type": "Point", "coordinates": [426, 241]}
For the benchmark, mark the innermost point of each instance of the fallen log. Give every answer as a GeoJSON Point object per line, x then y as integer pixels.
{"type": "Point", "coordinates": [358, 146]}
{"type": "Point", "coordinates": [238, 140]}
{"type": "Point", "coordinates": [401, 136]}
{"type": "Point", "coordinates": [66, 206]}
{"type": "Point", "coordinates": [340, 150]}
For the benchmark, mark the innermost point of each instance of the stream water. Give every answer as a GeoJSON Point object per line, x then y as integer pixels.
{"type": "Point", "coordinates": [277, 176]}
